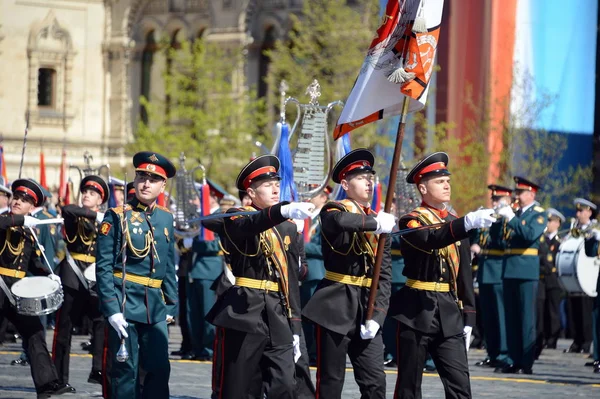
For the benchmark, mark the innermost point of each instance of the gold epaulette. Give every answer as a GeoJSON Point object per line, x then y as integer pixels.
{"type": "Point", "coordinates": [119, 209]}
{"type": "Point", "coordinates": [163, 208]}
{"type": "Point", "coordinates": [48, 214]}
{"type": "Point", "coordinates": [538, 208]}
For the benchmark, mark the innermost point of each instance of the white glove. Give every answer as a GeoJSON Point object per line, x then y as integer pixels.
{"type": "Point", "coordinates": [30, 221]}
{"type": "Point", "coordinates": [506, 212]}
{"type": "Point", "coordinates": [385, 222]}
{"type": "Point", "coordinates": [296, 344]}
{"type": "Point", "coordinates": [187, 242]}
{"type": "Point", "coordinates": [467, 331]}
{"type": "Point", "coordinates": [475, 248]}
{"type": "Point", "coordinates": [299, 225]}
{"type": "Point", "coordinates": [297, 210]}
{"type": "Point", "coordinates": [117, 321]}
{"type": "Point", "coordinates": [170, 319]}
{"type": "Point", "coordinates": [369, 329]}
{"type": "Point", "coordinates": [99, 217]}
{"type": "Point", "coordinates": [596, 234]}
{"type": "Point", "coordinates": [479, 219]}
{"type": "Point", "coordinates": [54, 277]}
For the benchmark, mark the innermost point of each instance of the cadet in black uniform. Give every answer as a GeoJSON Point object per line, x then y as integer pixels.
{"type": "Point", "coordinates": [81, 225]}
{"type": "Point", "coordinates": [549, 289]}
{"type": "Point", "coordinates": [350, 233]}
{"type": "Point", "coordinates": [17, 258]}
{"type": "Point", "coordinates": [260, 314]}
{"type": "Point", "coordinates": [436, 308]}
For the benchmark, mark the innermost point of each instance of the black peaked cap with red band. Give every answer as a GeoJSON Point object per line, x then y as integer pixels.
{"type": "Point", "coordinates": [130, 191]}
{"type": "Point", "coordinates": [96, 183]}
{"type": "Point", "coordinates": [31, 189]}
{"type": "Point", "coordinates": [432, 165]}
{"type": "Point", "coordinates": [261, 168]}
{"type": "Point", "coordinates": [360, 160]}
{"type": "Point", "coordinates": [525, 185]}
{"type": "Point", "coordinates": [151, 162]}
{"type": "Point", "coordinates": [500, 191]}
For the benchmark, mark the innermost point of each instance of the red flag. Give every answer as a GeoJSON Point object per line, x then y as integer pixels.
{"type": "Point", "coordinates": [62, 184]}
{"type": "Point", "coordinates": [3, 165]}
{"type": "Point", "coordinates": [398, 64]}
{"type": "Point", "coordinates": [161, 199]}
{"type": "Point", "coordinates": [43, 171]}
{"type": "Point", "coordinates": [68, 190]}
{"type": "Point", "coordinates": [205, 210]}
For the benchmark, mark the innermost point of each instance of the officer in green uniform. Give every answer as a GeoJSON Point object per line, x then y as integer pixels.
{"type": "Point", "coordinates": [521, 275]}
{"type": "Point", "coordinates": [150, 284]}
{"type": "Point", "coordinates": [316, 269]}
{"type": "Point", "coordinates": [490, 250]}
{"type": "Point", "coordinates": [205, 267]}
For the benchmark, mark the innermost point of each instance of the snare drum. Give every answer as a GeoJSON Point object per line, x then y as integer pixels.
{"type": "Point", "coordinates": [90, 274]}
{"type": "Point", "coordinates": [37, 296]}
{"type": "Point", "coordinates": [577, 272]}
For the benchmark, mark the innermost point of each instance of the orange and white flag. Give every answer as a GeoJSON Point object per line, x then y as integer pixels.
{"type": "Point", "coordinates": [399, 64]}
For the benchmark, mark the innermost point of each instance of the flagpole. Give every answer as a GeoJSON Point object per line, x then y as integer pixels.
{"type": "Point", "coordinates": [389, 197]}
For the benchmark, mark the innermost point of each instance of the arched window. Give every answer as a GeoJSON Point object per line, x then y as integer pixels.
{"type": "Point", "coordinates": [263, 66]}
{"type": "Point", "coordinates": [147, 59]}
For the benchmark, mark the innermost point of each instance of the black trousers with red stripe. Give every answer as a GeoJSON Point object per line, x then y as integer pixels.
{"type": "Point", "coordinates": [449, 355]}
{"type": "Point", "coordinates": [32, 331]}
{"type": "Point", "coordinates": [366, 356]}
{"type": "Point", "coordinates": [249, 363]}
{"type": "Point", "coordinates": [75, 303]}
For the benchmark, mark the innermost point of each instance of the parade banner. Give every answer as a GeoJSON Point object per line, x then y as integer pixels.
{"type": "Point", "coordinates": [43, 171]}
{"type": "Point", "coordinates": [399, 64]}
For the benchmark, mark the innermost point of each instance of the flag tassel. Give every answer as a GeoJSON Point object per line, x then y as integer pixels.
{"type": "Point", "coordinates": [400, 75]}
{"type": "Point", "coordinates": [420, 24]}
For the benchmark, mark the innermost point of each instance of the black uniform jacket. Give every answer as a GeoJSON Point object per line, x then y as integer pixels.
{"type": "Point", "coordinates": [417, 308]}
{"type": "Point", "coordinates": [342, 307]}
{"type": "Point", "coordinates": [547, 252]}
{"type": "Point", "coordinates": [253, 310]}
{"type": "Point", "coordinates": [18, 250]}
{"type": "Point", "coordinates": [80, 237]}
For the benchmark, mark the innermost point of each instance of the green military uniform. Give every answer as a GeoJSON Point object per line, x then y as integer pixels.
{"type": "Point", "coordinates": [205, 268]}
{"type": "Point", "coordinates": [315, 273]}
{"type": "Point", "coordinates": [151, 287]}
{"type": "Point", "coordinates": [520, 281]}
{"type": "Point", "coordinates": [398, 281]}
{"type": "Point", "coordinates": [492, 242]}
{"type": "Point", "coordinates": [489, 277]}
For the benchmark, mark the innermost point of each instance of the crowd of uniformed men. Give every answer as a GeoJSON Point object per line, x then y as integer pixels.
{"type": "Point", "coordinates": [280, 286]}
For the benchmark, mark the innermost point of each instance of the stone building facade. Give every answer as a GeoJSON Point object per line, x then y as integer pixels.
{"type": "Point", "coordinates": [77, 68]}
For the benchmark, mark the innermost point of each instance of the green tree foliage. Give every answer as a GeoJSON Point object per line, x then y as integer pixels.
{"type": "Point", "coordinates": [527, 151]}
{"type": "Point", "coordinates": [206, 112]}
{"type": "Point", "coordinates": [328, 42]}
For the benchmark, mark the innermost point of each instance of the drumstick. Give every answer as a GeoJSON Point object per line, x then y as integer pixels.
{"type": "Point", "coordinates": [42, 249]}
{"type": "Point", "coordinates": [50, 221]}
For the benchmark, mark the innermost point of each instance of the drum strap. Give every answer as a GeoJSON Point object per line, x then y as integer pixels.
{"type": "Point", "coordinates": [76, 269]}
{"type": "Point", "coordinates": [7, 292]}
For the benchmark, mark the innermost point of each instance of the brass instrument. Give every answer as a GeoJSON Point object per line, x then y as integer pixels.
{"type": "Point", "coordinates": [102, 171]}
{"type": "Point", "coordinates": [406, 196]}
{"type": "Point", "coordinates": [577, 232]}
{"type": "Point", "coordinates": [312, 158]}
{"type": "Point", "coordinates": [187, 200]}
